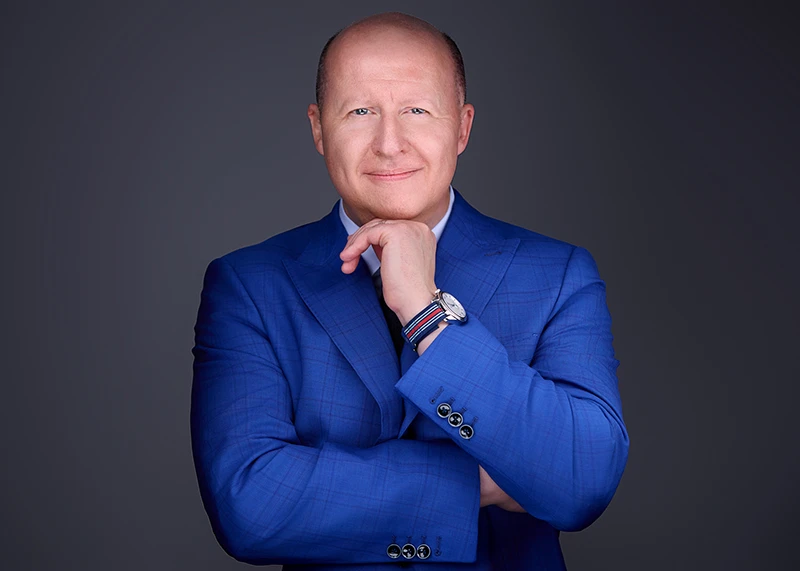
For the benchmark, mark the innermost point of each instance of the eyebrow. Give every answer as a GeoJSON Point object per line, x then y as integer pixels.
{"type": "Point", "coordinates": [427, 102]}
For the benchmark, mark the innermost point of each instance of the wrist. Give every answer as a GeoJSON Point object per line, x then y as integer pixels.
{"type": "Point", "coordinates": [429, 339]}
{"type": "Point", "coordinates": [416, 304]}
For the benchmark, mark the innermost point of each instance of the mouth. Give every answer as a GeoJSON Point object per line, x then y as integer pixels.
{"type": "Point", "coordinates": [392, 174]}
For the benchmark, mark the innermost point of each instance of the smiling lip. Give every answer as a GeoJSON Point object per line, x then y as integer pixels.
{"type": "Point", "coordinates": [392, 175]}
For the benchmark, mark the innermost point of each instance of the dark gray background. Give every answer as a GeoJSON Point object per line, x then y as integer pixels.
{"type": "Point", "coordinates": [141, 141]}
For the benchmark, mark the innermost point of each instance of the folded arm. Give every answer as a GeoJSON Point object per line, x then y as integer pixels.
{"type": "Point", "coordinates": [272, 499]}
{"type": "Point", "coordinates": [550, 432]}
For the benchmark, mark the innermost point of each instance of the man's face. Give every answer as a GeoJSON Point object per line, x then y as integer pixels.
{"type": "Point", "coordinates": [392, 125]}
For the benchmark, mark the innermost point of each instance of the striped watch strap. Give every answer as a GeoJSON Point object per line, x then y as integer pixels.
{"type": "Point", "coordinates": [425, 322]}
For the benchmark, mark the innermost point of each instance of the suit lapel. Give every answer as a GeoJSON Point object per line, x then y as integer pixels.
{"type": "Point", "coordinates": [472, 257]}
{"type": "Point", "coordinates": [348, 309]}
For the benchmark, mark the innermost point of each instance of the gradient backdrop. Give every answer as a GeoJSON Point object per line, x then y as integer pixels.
{"type": "Point", "coordinates": [142, 139]}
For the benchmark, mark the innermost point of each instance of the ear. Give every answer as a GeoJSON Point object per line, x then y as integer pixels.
{"type": "Point", "coordinates": [315, 118]}
{"type": "Point", "coordinates": [465, 127]}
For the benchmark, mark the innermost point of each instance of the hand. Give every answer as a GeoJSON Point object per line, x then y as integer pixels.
{"type": "Point", "coordinates": [407, 251]}
{"type": "Point", "coordinates": [492, 494]}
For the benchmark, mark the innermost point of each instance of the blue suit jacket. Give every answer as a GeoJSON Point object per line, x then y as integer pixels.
{"type": "Point", "coordinates": [315, 446]}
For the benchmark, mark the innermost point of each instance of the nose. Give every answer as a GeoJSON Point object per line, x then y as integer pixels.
{"type": "Point", "coordinates": [389, 138]}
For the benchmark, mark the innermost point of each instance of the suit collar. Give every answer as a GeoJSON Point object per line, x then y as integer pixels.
{"type": "Point", "coordinates": [472, 257]}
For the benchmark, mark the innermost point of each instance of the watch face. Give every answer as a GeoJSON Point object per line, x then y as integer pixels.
{"type": "Point", "coordinates": [453, 305]}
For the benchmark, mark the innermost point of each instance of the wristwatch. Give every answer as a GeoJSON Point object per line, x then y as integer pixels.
{"type": "Point", "coordinates": [443, 307]}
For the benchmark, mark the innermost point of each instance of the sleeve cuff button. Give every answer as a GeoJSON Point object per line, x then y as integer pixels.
{"type": "Point", "coordinates": [409, 551]}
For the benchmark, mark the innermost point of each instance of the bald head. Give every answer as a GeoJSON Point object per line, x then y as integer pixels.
{"type": "Point", "coordinates": [395, 119]}
{"type": "Point", "coordinates": [373, 26]}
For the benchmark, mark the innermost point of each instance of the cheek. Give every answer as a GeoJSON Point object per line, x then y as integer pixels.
{"type": "Point", "coordinates": [437, 141]}
{"type": "Point", "coordinates": [347, 149]}
{"type": "Point", "coordinates": [440, 152]}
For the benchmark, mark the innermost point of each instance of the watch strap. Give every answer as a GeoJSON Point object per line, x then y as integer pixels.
{"type": "Point", "coordinates": [423, 324]}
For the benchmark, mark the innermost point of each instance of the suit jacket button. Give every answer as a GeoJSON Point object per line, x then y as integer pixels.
{"type": "Point", "coordinates": [443, 410]}
{"type": "Point", "coordinates": [466, 432]}
{"type": "Point", "coordinates": [393, 551]}
{"type": "Point", "coordinates": [409, 551]}
{"type": "Point", "coordinates": [423, 551]}
{"type": "Point", "coordinates": [455, 419]}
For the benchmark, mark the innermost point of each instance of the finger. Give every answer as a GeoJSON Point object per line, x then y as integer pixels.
{"type": "Point", "coordinates": [350, 266]}
{"type": "Point", "coordinates": [358, 243]}
{"type": "Point", "coordinates": [350, 240]}
{"type": "Point", "coordinates": [362, 239]}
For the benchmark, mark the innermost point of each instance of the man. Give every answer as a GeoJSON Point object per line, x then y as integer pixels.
{"type": "Point", "coordinates": [348, 414]}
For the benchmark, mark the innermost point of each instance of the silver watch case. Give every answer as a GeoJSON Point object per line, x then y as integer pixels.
{"type": "Point", "coordinates": [452, 308]}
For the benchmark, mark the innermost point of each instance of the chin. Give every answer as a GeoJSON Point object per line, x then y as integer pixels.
{"type": "Point", "coordinates": [406, 200]}
{"type": "Point", "coordinates": [400, 211]}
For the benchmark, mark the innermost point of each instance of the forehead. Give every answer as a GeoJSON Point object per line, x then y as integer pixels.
{"type": "Point", "coordinates": [390, 58]}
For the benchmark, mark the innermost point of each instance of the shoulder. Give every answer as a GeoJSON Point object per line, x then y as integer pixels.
{"type": "Point", "coordinates": [288, 244]}
{"type": "Point", "coordinates": [484, 228]}
{"type": "Point", "coordinates": [544, 255]}
{"type": "Point", "coordinates": [269, 255]}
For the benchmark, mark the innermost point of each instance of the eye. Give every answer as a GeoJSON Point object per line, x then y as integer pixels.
{"type": "Point", "coordinates": [418, 111]}
{"type": "Point", "coordinates": [360, 111]}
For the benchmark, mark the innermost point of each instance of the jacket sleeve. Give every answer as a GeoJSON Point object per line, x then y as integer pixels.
{"type": "Point", "coordinates": [271, 499]}
{"type": "Point", "coordinates": [550, 432]}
